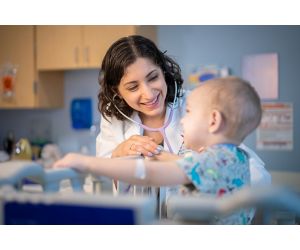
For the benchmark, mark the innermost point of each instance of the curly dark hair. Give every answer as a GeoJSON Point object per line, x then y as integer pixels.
{"type": "Point", "coordinates": [122, 54]}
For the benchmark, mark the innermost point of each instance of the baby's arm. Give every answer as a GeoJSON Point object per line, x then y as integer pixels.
{"type": "Point", "coordinates": [165, 156]}
{"type": "Point", "coordinates": [156, 173]}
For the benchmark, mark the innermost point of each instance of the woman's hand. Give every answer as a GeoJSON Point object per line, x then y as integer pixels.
{"type": "Point", "coordinates": [72, 160]}
{"type": "Point", "coordinates": [137, 145]}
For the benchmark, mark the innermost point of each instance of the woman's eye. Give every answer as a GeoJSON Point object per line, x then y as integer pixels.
{"type": "Point", "coordinates": [133, 88]}
{"type": "Point", "coordinates": [153, 78]}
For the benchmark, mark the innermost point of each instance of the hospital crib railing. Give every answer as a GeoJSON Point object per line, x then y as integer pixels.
{"type": "Point", "coordinates": [19, 205]}
{"type": "Point", "coordinates": [18, 173]}
{"type": "Point", "coordinates": [277, 205]}
{"type": "Point", "coordinates": [273, 204]}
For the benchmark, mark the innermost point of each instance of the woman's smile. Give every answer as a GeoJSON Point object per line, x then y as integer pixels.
{"type": "Point", "coordinates": [153, 103]}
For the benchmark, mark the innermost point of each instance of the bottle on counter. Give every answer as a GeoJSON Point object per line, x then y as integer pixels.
{"type": "Point", "coordinates": [8, 143]}
{"type": "Point", "coordinates": [22, 150]}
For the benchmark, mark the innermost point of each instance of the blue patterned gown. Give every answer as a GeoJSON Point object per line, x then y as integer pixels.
{"type": "Point", "coordinates": [218, 170]}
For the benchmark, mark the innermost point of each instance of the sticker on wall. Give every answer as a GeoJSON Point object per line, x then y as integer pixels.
{"type": "Point", "coordinates": [275, 131]}
{"type": "Point", "coordinates": [81, 113]}
{"type": "Point", "coordinates": [207, 72]}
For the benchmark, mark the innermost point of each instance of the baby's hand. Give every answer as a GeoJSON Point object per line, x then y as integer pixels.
{"type": "Point", "coordinates": [72, 160]}
{"type": "Point", "coordinates": [165, 156]}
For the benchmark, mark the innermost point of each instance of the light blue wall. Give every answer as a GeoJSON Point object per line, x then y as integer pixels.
{"type": "Point", "coordinates": [189, 45]}
{"type": "Point", "coordinates": [226, 45]}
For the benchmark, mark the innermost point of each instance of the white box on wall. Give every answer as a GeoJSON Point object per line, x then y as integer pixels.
{"type": "Point", "coordinates": [261, 70]}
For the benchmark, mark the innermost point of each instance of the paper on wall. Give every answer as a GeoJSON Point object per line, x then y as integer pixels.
{"type": "Point", "coordinates": [261, 70]}
{"type": "Point", "coordinates": [275, 131]}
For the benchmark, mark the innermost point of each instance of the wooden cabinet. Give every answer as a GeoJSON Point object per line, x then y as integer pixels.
{"type": "Point", "coordinates": [42, 53]}
{"type": "Point", "coordinates": [31, 89]}
{"type": "Point", "coordinates": [97, 39]}
{"type": "Point", "coordinates": [58, 47]}
{"type": "Point", "coordinates": [76, 47]}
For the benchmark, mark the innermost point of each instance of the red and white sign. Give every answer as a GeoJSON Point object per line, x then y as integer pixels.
{"type": "Point", "coordinates": [275, 131]}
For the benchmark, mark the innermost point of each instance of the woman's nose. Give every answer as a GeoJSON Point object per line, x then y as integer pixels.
{"type": "Point", "coordinates": [147, 92]}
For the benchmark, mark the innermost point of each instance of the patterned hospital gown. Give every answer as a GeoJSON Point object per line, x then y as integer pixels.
{"type": "Point", "coordinates": [218, 170]}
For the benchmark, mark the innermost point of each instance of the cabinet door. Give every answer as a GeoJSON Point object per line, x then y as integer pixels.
{"type": "Point", "coordinates": [17, 48]}
{"type": "Point", "coordinates": [59, 47]}
{"type": "Point", "coordinates": [97, 39]}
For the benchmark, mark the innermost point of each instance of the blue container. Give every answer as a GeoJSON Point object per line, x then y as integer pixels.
{"type": "Point", "coordinates": [81, 113]}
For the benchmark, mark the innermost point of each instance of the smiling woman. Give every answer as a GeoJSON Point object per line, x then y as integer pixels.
{"type": "Point", "coordinates": [143, 82]}
{"type": "Point", "coordinates": [152, 112]}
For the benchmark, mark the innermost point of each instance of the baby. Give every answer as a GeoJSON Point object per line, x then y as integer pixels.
{"type": "Point", "coordinates": [219, 115]}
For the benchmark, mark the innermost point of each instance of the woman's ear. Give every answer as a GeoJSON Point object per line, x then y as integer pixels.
{"type": "Point", "coordinates": [117, 94]}
{"type": "Point", "coordinates": [216, 121]}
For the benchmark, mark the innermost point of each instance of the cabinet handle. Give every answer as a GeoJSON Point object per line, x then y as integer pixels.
{"type": "Point", "coordinates": [76, 55]}
{"type": "Point", "coordinates": [87, 54]}
{"type": "Point", "coordinates": [35, 87]}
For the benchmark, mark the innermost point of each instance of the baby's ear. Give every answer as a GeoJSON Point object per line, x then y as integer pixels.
{"type": "Point", "coordinates": [215, 121]}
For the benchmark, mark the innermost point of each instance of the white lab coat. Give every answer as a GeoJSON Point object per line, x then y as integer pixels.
{"type": "Point", "coordinates": [112, 134]}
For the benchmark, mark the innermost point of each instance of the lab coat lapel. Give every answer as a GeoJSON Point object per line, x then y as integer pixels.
{"type": "Point", "coordinates": [174, 130]}
{"type": "Point", "coordinates": [131, 128]}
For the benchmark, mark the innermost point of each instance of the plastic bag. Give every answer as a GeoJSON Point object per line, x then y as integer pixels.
{"type": "Point", "coordinates": [8, 79]}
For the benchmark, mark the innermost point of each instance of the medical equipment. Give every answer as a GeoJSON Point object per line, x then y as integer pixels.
{"type": "Point", "coordinates": [13, 173]}
{"type": "Point", "coordinates": [140, 170]}
{"type": "Point", "coordinates": [54, 207]}
{"type": "Point", "coordinates": [74, 209]}
{"type": "Point", "coordinates": [162, 129]}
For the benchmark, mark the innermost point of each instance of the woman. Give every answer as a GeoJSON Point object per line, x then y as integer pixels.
{"type": "Point", "coordinates": [139, 80]}
{"type": "Point", "coordinates": [139, 84]}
